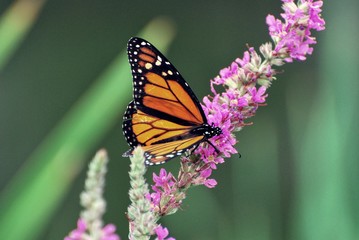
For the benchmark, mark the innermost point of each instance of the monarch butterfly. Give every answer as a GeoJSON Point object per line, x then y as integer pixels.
{"type": "Point", "coordinates": [165, 117]}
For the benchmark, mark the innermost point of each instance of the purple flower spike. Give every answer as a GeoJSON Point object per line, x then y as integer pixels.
{"type": "Point", "coordinates": [293, 36]}
{"type": "Point", "coordinates": [245, 83]}
{"type": "Point", "coordinates": [247, 79]}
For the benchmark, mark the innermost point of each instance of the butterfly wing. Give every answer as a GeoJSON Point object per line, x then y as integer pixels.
{"type": "Point", "coordinates": [159, 89]}
{"type": "Point", "coordinates": [160, 139]}
{"type": "Point", "coordinates": [164, 109]}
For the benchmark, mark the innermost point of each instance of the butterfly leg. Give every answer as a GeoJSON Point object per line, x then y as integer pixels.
{"type": "Point", "coordinates": [216, 149]}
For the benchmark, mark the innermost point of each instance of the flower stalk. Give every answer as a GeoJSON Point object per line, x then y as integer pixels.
{"type": "Point", "coordinates": [245, 83]}
{"type": "Point", "coordinates": [90, 225]}
{"type": "Point", "coordinates": [141, 219]}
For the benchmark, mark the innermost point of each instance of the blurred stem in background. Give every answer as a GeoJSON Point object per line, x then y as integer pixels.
{"type": "Point", "coordinates": [326, 180]}
{"type": "Point", "coordinates": [39, 186]}
{"type": "Point", "coordinates": [90, 224]}
{"type": "Point", "coordinates": [14, 25]}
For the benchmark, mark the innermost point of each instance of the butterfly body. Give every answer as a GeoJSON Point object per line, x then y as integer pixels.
{"type": "Point", "coordinates": [165, 117]}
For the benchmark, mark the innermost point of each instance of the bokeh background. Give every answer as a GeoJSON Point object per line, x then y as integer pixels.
{"type": "Point", "coordinates": [65, 83]}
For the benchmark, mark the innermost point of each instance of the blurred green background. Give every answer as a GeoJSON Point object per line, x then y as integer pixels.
{"type": "Point", "coordinates": [65, 83]}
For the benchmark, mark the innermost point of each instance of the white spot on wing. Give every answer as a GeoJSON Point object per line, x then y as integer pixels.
{"type": "Point", "coordinates": [148, 65]}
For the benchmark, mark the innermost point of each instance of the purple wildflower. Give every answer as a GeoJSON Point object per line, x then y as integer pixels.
{"type": "Point", "coordinates": [202, 179]}
{"type": "Point", "coordinates": [162, 233]}
{"type": "Point", "coordinates": [246, 58]}
{"type": "Point", "coordinates": [258, 95]}
{"type": "Point", "coordinates": [79, 232]}
{"type": "Point", "coordinates": [154, 198]}
{"type": "Point", "coordinates": [163, 180]}
{"type": "Point", "coordinates": [210, 183]}
{"type": "Point", "coordinates": [82, 232]}
{"type": "Point", "coordinates": [109, 232]}
{"type": "Point", "coordinates": [245, 84]}
{"type": "Point", "coordinates": [164, 200]}
{"type": "Point", "coordinates": [293, 36]}
{"type": "Point", "coordinates": [242, 97]}
{"type": "Point", "coordinates": [226, 74]}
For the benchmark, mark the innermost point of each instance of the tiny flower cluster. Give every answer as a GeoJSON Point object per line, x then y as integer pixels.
{"type": "Point", "coordinates": [245, 83]}
{"type": "Point", "coordinates": [247, 79]}
{"type": "Point", "coordinates": [293, 37]}
{"type": "Point", "coordinates": [164, 199]}
{"type": "Point", "coordinates": [108, 232]}
{"type": "Point", "coordinates": [162, 233]}
{"type": "Point", "coordinates": [90, 224]}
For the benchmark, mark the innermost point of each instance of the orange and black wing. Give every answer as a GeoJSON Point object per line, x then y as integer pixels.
{"type": "Point", "coordinates": [161, 139]}
{"type": "Point", "coordinates": [159, 89]}
{"type": "Point", "coordinates": [164, 109]}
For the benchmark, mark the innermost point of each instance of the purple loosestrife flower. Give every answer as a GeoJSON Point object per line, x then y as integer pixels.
{"type": "Point", "coordinates": [79, 233]}
{"type": "Point", "coordinates": [163, 180]}
{"type": "Point", "coordinates": [202, 179]}
{"type": "Point", "coordinates": [245, 82]}
{"type": "Point", "coordinates": [90, 224]}
{"type": "Point", "coordinates": [293, 36]}
{"type": "Point", "coordinates": [108, 232]}
{"type": "Point", "coordinates": [247, 79]}
{"type": "Point", "coordinates": [258, 96]}
{"type": "Point", "coordinates": [162, 233]}
{"type": "Point", "coordinates": [164, 199]}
